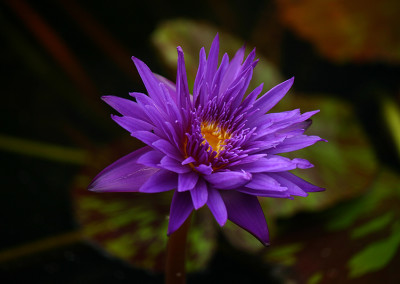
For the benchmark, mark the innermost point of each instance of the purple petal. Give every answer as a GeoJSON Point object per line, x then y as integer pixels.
{"type": "Point", "coordinates": [212, 60]}
{"type": "Point", "coordinates": [264, 182]}
{"type": "Point", "coordinates": [302, 163]}
{"type": "Point", "coordinates": [150, 81]}
{"type": "Point", "coordinates": [199, 76]}
{"type": "Point", "coordinates": [181, 207]}
{"type": "Point", "coordinates": [187, 181]}
{"type": "Point", "coordinates": [181, 81]}
{"type": "Point", "coordinates": [125, 107]}
{"type": "Point", "coordinates": [171, 164]}
{"type": "Point", "coordinates": [151, 158]}
{"type": "Point", "coordinates": [304, 185]}
{"type": "Point", "coordinates": [273, 96]}
{"type": "Point", "coordinates": [167, 148]}
{"type": "Point", "coordinates": [159, 182]}
{"type": "Point", "coordinates": [169, 85]}
{"type": "Point", "coordinates": [145, 136]}
{"type": "Point", "coordinates": [233, 69]}
{"type": "Point", "coordinates": [188, 161]}
{"type": "Point", "coordinates": [293, 188]}
{"type": "Point", "coordinates": [132, 124]}
{"type": "Point", "coordinates": [217, 206]}
{"type": "Point", "coordinates": [228, 179]}
{"type": "Point", "coordinates": [295, 143]}
{"type": "Point", "coordinates": [199, 194]}
{"type": "Point", "coordinates": [266, 193]}
{"type": "Point", "coordinates": [204, 169]}
{"type": "Point", "coordinates": [268, 164]}
{"type": "Point", "coordinates": [124, 175]}
{"type": "Point", "coordinates": [245, 211]}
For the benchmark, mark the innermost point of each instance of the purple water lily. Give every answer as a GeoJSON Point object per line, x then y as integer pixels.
{"type": "Point", "coordinates": [215, 147]}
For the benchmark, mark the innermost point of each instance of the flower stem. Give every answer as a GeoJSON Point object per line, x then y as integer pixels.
{"type": "Point", "coordinates": [176, 253]}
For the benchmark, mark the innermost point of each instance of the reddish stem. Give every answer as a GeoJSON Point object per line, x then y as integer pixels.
{"type": "Point", "coordinates": [176, 253]}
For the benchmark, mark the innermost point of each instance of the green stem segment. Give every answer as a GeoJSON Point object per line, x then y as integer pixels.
{"type": "Point", "coordinates": [175, 272]}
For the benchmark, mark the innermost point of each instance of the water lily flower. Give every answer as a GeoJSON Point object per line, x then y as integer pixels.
{"type": "Point", "coordinates": [214, 147]}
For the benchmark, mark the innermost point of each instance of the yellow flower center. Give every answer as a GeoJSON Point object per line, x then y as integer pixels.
{"type": "Point", "coordinates": [214, 135]}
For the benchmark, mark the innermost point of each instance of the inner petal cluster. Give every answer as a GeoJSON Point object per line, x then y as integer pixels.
{"type": "Point", "coordinates": [214, 135]}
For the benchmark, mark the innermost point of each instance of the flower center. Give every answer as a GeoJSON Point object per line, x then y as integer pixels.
{"type": "Point", "coordinates": [214, 135]}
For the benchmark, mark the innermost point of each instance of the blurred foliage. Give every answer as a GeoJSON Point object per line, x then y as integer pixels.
{"type": "Point", "coordinates": [343, 30]}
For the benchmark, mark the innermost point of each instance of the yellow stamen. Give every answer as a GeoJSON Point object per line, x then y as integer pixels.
{"type": "Point", "coordinates": [214, 135]}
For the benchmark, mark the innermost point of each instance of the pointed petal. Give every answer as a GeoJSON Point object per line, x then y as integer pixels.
{"type": "Point", "coordinates": [181, 207]}
{"type": "Point", "coordinates": [233, 69]}
{"type": "Point", "coordinates": [181, 81]}
{"type": "Point", "coordinates": [264, 182]}
{"type": "Point", "coordinates": [245, 211]}
{"type": "Point", "coordinates": [268, 164]}
{"type": "Point", "coordinates": [293, 188]}
{"type": "Point", "coordinates": [159, 182]}
{"type": "Point", "coordinates": [132, 124]}
{"type": "Point", "coordinates": [199, 194]}
{"type": "Point", "coordinates": [124, 175]}
{"type": "Point", "coordinates": [187, 181]}
{"type": "Point", "coordinates": [295, 143]}
{"type": "Point", "coordinates": [167, 148]}
{"type": "Point", "coordinates": [212, 61]}
{"type": "Point", "coordinates": [273, 96]}
{"type": "Point", "coordinates": [151, 158]}
{"type": "Point", "coordinates": [150, 81]}
{"type": "Point", "coordinates": [228, 179]}
{"type": "Point", "coordinates": [217, 206]}
{"type": "Point", "coordinates": [125, 107]}
{"type": "Point", "coordinates": [169, 85]}
{"type": "Point", "coordinates": [171, 164]}
{"type": "Point", "coordinates": [304, 185]}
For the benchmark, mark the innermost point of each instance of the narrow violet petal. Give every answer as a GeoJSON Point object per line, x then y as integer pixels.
{"type": "Point", "coordinates": [173, 165]}
{"type": "Point", "coordinates": [132, 124]}
{"type": "Point", "coordinates": [125, 107]}
{"type": "Point", "coordinates": [167, 148]}
{"type": "Point", "coordinates": [169, 85]}
{"type": "Point", "coordinates": [233, 69]}
{"type": "Point", "coordinates": [295, 143]}
{"type": "Point", "coordinates": [245, 211]}
{"type": "Point", "coordinates": [265, 193]}
{"type": "Point", "coordinates": [302, 163]}
{"type": "Point", "coordinates": [293, 188]}
{"type": "Point", "coordinates": [188, 161]}
{"type": "Point", "coordinates": [217, 206]}
{"type": "Point", "coordinates": [187, 181]}
{"type": "Point", "coordinates": [124, 175]}
{"type": "Point", "coordinates": [151, 158]}
{"type": "Point", "coordinates": [273, 96]}
{"type": "Point", "coordinates": [272, 164]}
{"type": "Point", "coordinates": [304, 185]}
{"type": "Point", "coordinates": [204, 169]}
{"type": "Point", "coordinates": [228, 179]}
{"type": "Point", "coordinates": [264, 182]}
{"type": "Point", "coordinates": [149, 80]}
{"type": "Point", "coordinates": [161, 181]}
{"type": "Point", "coordinates": [212, 61]}
{"type": "Point", "coordinates": [181, 207]}
{"type": "Point", "coordinates": [181, 81]}
{"type": "Point", "coordinates": [145, 136]}
{"type": "Point", "coordinates": [199, 194]}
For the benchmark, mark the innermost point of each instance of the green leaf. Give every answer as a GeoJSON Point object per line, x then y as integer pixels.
{"type": "Point", "coordinates": [376, 255]}
{"type": "Point", "coordinates": [372, 226]}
